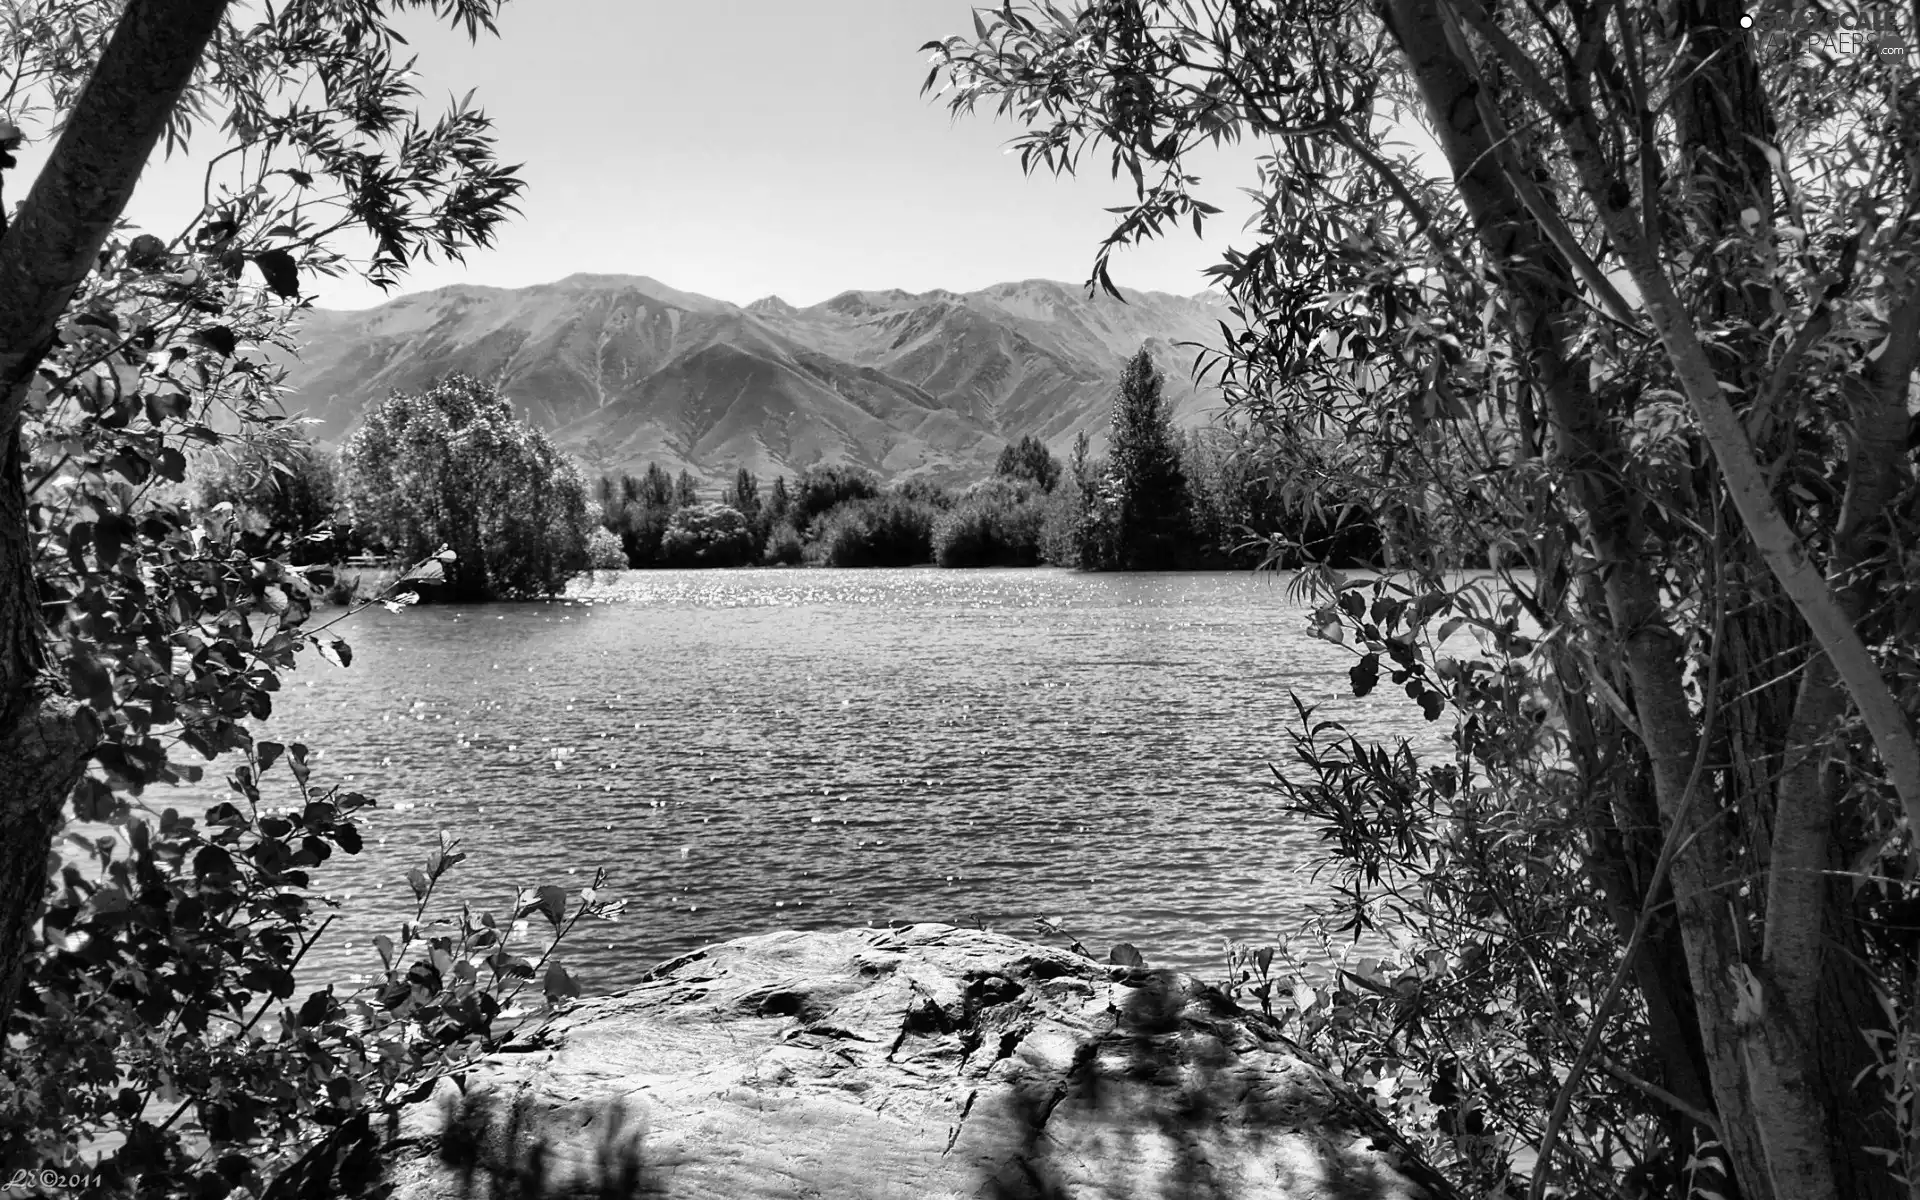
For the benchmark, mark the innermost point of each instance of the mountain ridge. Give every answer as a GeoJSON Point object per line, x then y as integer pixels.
{"type": "Point", "coordinates": [624, 370]}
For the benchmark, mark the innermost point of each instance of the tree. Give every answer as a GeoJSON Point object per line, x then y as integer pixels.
{"type": "Point", "coordinates": [1146, 507]}
{"type": "Point", "coordinates": [707, 535]}
{"type": "Point", "coordinates": [452, 467]}
{"type": "Point", "coordinates": [744, 495]}
{"type": "Point", "coordinates": [1029, 458]}
{"type": "Point", "coordinates": [826, 487]}
{"type": "Point", "coordinates": [779, 503]}
{"type": "Point", "coordinates": [135, 634]}
{"type": "Point", "coordinates": [685, 492]}
{"type": "Point", "coordinates": [1701, 478]}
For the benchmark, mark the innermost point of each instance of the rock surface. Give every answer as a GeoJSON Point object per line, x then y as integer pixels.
{"type": "Point", "coordinates": [917, 1064]}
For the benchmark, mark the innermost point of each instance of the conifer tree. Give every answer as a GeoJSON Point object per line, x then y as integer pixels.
{"type": "Point", "coordinates": [1150, 508]}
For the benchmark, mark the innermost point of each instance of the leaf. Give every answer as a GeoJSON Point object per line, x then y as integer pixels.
{"type": "Point", "coordinates": [417, 879]}
{"type": "Point", "coordinates": [218, 338]}
{"type": "Point", "coordinates": [1365, 674]}
{"type": "Point", "coordinates": [1264, 958]}
{"type": "Point", "coordinates": [1304, 997]}
{"type": "Point", "coordinates": [1124, 955]}
{"type": "Point", "coordinates": [334, 650]}
{"type": "Point", "coordinates": [559, 984]}
{"type": "Point", "coordinates": [553, 902]}
{"type": "Point", "coordinates": [281, 273]}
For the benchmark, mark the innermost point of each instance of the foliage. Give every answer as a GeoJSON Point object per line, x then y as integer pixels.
{"type": "Point", "coordinates": [284, 485]}
{"type": "Point", "coordinates": [685, 491]}
{"type": "Point", "coordinates": [823, 488]}
{"type": "Point", "coordinates": [636, 510]}
{"type": "Point", "coordinates": [1029, 459]}
{"type": "Point", "coordinates": [881, 531]}
{"type": "Point", "coordinates": [996, 524]}
{"type": "Point", "coordinates": [453, 467]}
{"type": "Point", "coordinates": [1140, 512]}
{"type": "Point", "coordinates": [921, 491]}
{"type": "Point", "coordinates": [137, 633]}
{"type": "Point", "coordinates": [1653, 904]}
{"type": "Point", "coordinates": [783, 547]}
{"type": "Point", "coordinates": [779, 505]}
{"type": "Point", "coordinates": [1060, 515]}
{"type": "Point", "coordinates": [604, 552]}
{"type": "Point", "coordinates": [744, 494]}
{"type": "Point", "coordinates": [707, 535]}
{"type": "Point", "coordinates": [167, 991]}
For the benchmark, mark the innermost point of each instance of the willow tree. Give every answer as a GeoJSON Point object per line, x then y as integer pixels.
{"type": "Point", "coordinates": [451, 467]}
{"type": "Point", "coordinates": [1647, 329]}
{"type": "Point", "coordinates": [135, 636]}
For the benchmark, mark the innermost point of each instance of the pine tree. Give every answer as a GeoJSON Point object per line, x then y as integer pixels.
{"type": "Point", "coordinates": [1150, 508]}
{"type": "Point", "coordinates": [684, 491]}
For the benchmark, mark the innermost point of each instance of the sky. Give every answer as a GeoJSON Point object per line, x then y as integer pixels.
{"type": "Point", "coordinates": [742, 148]}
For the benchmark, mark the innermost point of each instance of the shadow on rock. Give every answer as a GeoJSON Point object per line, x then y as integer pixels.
{"type": "Point", "coordinates": [495, 1151]}
{"type": "Point", "coordinates": [918, 1063]}
{"type": "Point", "coordinates": [1169, 1095]}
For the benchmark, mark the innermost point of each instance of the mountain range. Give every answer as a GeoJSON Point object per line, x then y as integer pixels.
{"type": "Point", "coordinates": [624, 370]}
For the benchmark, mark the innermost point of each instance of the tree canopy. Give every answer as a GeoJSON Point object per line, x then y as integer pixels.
{"type": "Point", "coordinates": [452, 467]}
{"type": "Point", "coordinates": [1650, 331]}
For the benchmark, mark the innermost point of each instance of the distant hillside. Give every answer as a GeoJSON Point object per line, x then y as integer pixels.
{"type": "Point", "coordinates": [624, 370]}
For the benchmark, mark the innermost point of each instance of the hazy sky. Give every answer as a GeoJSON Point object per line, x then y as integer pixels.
{"type": "Point", "coordinates": [739, 148]}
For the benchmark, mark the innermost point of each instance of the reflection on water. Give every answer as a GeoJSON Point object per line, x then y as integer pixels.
{"type": "Point", "coordinates": [754, 750]}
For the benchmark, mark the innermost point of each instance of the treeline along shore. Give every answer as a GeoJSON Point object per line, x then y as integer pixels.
{"type": "Point", "coordinates": [452, 468]}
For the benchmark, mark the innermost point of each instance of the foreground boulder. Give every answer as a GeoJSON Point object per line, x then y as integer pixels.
{"type": "Point", "coordinates": [914, 1064]}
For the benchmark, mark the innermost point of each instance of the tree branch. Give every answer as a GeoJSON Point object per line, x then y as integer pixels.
{"type": "Point", "coordinates": [79, 195]}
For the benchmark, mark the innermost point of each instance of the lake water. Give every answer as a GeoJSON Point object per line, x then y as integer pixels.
{"type": "Point", "coordinates": [757, 750]}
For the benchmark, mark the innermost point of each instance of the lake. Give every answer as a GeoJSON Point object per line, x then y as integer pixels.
{"type": "Point", "coordinates": [756, 750]}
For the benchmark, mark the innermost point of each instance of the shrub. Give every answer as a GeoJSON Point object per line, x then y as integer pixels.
{"type": "Point", "coordinates": [604, 552]}
{"type": "Point", "coordinates": [707, 535]}
{"type": "Point", "coordinates": [886, 531]}
{"type": "Point", "coordinates": [998, 524]}
{"type": "Point", "coordinates": [784, 548]}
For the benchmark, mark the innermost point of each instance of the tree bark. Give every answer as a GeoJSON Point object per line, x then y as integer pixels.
{"type": "Point", "coordinates": [45, 255]}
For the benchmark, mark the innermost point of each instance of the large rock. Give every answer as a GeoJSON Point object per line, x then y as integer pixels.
{"type": "Point", "coordinates": [918, 1064]}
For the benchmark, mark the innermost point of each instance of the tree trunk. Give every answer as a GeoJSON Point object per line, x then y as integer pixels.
{"type": "Point", "coordinates": [1540, 292]}
{"type": "Point", "coordinates": [45, 255]}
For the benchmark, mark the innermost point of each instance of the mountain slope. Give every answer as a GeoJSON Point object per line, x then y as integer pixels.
{"type": "Point", "coordinates": [625, 370]}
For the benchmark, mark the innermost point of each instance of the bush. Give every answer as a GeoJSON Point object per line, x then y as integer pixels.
{"type": "Point", "coordinates": [823, 489]}
{"type": "Point", "coordinates": [784, 548]}
{"type": "Point", "coordinates": [707, 535]}
{"type": "Point", "coordinates": [998, 524]}
{"type": "Point", "coordinates": [604, 552]}
{"type": "Point", "coordinates": [886, 531]}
